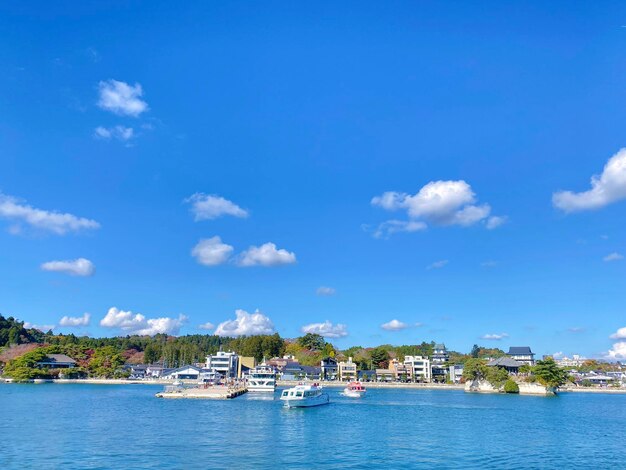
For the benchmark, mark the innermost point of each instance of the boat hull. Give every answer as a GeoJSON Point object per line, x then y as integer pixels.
{"type": "Point", "coordinates": [306, 402]}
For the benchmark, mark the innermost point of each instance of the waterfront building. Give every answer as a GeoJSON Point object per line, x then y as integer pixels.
{"type": "Point", "coordinates": [455, 372]}
{"type": "Point", "coordinates": [384, 375]}
{"type": "Point", "coordinates": [510, 365]}
{"type": "Point", "coordinates": [418, 368]}
{"type": "Point", "coordinates": [329, 368]}
{"type": "Point", "coordinates": [225, 363]}
{"type": "Point", "coordinates": [57, 361]}
{"type": "Point", "coordinates": [246, 364]}
{"type": "Point", "coordinates": [347, 370]}
{"type": "Point", "coordinates": [522, 354]}
{"type": "Point", "coordinates": [367, 375]}
{"type": "Point", "coordinates": [399, 370]}
{"type": "Point", "coordinates": [183, 373]}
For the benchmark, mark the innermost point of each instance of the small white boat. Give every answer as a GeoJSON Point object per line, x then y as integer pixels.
{"type": "Point", "coordinates": [262, 379]}
{"type": "Point", "coordinates": [354, 390]}
{"type": "Point", "coordinates": [302, 396]}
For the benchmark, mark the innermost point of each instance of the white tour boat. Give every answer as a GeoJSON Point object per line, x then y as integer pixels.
{"type": "Point", "coordinates": [262, 379]}
{"type": "Point", "coordinates": [304, 395]}
{"type": "Point", "coordinates": [354, 390]}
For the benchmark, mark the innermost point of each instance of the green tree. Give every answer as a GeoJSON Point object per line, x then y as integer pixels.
{"type": "Point", "coordinates": [510, 386]}
{"type": "Point", "coordinates": [475, 351]}
{"type": "Point", "coordinates": [474, 369]}
{"type": "Point", "coordinates": [312, 341]}
{"type": "Point", "coordinates": [548, 373]}
{"type": "Point", "coordinates": [379, 357]}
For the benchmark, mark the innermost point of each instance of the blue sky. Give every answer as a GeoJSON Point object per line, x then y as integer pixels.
{"type": "Point", "coordinates": [302, 131]}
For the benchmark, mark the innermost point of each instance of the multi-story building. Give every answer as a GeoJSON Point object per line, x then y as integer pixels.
{"type": "Point", "coordinates": [574, 361]}
{"type": "Point", "coordinates": [418, 368]}
{"type": "Point", "coordinates": [440, 354]}
{"type": "Point", "coordinates": [329, 368]}
{"type": "Point", "coordinates": [399, 370]}
{"type": "Point", "coordinates": [347, 370]}
{"type": "Point", "coordinates": [225, 363]}
{"type": "Point", "coordinates": [522, 354]}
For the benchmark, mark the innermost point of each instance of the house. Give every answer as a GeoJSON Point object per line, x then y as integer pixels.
{"type": "Point", "coordinates": [367, 375]}
{"type": "Point", "coordinates": [225, 363]}
{"type": "Point", "coordinates": [329, 368]}
{"type": "Point", "coordinates": [510, 365]}
{"type": "Point", "coordinates": [156, 371]}
{"type": "Point", "coordinates": [347, 370]}
{"type": "Point", "coordinates": [183, 373]}
{"type": "Point", "coordinates": [135, 371]}
{"type": "Point", "coordinates": [384, 375]}
{"type": "Point", "coordinates": [522, 354]}
{"type": "Point", "coordinates": [295, 371]}
{"type": "Point", "coordinates": [400, 372]}
{"type": "Point", "coordinates": [57, 361]}
{"type": "Point", "coordinates": [418, 368]}
{"type": "Point", "coordinates": [455, 372]}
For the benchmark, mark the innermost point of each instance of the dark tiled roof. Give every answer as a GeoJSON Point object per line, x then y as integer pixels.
{"type": "Point", "coordinates": [519, 350]}
{"type": "Point", "coordinates": [440, 346]}
{"type": "Point", "coordinates": [59, 358]}
{"type": "Point", "coordinates": [505, 362]}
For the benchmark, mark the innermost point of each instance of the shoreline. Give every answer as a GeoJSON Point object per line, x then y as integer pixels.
{"type": "Point", "coordinates": [291, 383]}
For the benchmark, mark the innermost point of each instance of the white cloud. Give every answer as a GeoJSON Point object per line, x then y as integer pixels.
{"type": "Point", "coordinates": [489, 264]}
{"type": "Point", "coordinates": [495, 221]}
{"type": "Point", "coordinates": [438, 202]}
{"type": "Point", "coordinates": [618, 351]}
{"type": "Point", "coordinates": [326, 329]}
{"type": "Point", "coordinates": [266, 255]}
{"type": "Point", "coordinates": [43, 328]}
{"type": "Point", "coordinates": [394, 325]}
{"type": "Point", "coordinates": [211, 251]}
{"type": "Point", "coordinates": [389, 227]}
{"type": "Point", "coordinates": [557, 355]}
{"type": "Point", "coordinates": [613, 257]}
{"type": "Point", "coordinates": [211, 206]}
{"type": "Point", "coordinates": [495, 336]}
{"type": "Point", "coordinates": [78, 267]}
{"type": "Point", "coordinates": [325, 291]}
{"type": "Point", "coordinates": [606, 188]}
{"type": "Point", "coordinates": [138, 324]}
{"type": "Point", "coordinates": [246, 324]}
{"type": "Point", "coordinates": [206, 326]}
{"type": "Point", "coordinates": [437, 264]}
{"type": "Point", "coordinates": [118, 132]}
{"type": "Point", "coordinates": [121, 98]}
{"type": "Point", "coordinates": [619, 334]}
{"type": "Point", "coordinates": [55, 222]}
{"type": "Point", "coordinates": [75, 321]}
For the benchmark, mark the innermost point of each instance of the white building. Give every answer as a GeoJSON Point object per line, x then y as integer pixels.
{"type": "Point", "coordinates": [574, 361]}
{"type": "Point", "coordinates": [417, 368]}
{"type": "Point", "coordinates": [347, 370]}
{"type": "Point", "coordinates": [225, 363]}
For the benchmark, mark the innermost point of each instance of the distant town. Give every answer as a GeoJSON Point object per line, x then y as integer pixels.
{"type": "Point", "coordinates": [29, 354]}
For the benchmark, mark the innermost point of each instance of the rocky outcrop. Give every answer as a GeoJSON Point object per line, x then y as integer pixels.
{"type": "Point", "coordinates": [480, 386]}
{"type": "Point", "coordinates": [525, 388]}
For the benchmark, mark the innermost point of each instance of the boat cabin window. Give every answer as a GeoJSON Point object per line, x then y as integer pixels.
{"type": "Point", "coordinates": [298, 394]}
{"type": "Point", "coordinates": [286, 393]}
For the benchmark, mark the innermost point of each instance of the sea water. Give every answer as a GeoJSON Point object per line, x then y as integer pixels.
{"type": "Point", "coordinates": [75, 426]}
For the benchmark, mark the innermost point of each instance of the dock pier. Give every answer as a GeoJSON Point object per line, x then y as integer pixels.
{"type": "Point", "coordinates": [210, 393]}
